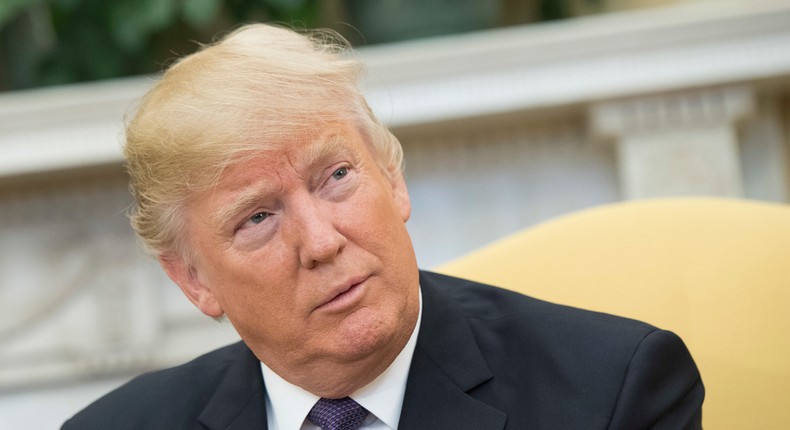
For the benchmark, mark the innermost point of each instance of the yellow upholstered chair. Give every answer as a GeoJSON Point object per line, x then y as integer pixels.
{"type": "Point", "coordinates": [715, 271]}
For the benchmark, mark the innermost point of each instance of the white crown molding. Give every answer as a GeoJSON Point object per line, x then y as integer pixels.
{"type": "Point", "coordinates": [65, 127]}
{"type": "Point", "coordinates": [561, 64]}
{"type": "Point", "coordinates": [579, 61]}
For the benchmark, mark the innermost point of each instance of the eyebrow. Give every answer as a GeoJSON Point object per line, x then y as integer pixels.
{"type": "Point", "coordinates": [246, 199]}
{"type": "Point", "coordinates": [317, 151]}
{"type": "Point", "coordinates": [326, 147]}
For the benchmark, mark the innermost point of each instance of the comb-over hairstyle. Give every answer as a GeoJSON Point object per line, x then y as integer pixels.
{"type": "Point", "coordinates": [246, 93]}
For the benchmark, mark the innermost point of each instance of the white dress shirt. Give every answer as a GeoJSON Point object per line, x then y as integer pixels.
{"type": "Point", "coordinates": [287, 405]}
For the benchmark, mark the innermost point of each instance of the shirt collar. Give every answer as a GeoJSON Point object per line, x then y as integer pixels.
{"type": "Point", "coordinates": [288, 405]}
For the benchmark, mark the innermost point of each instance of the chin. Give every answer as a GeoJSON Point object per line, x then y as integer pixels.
{"type": "Point", "coordinates": [366, 332]}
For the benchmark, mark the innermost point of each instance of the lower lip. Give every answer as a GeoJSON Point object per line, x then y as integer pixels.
{"type": "Point", "coordinates": [345, 300]}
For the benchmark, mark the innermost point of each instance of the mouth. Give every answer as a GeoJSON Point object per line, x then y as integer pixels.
{"type": "Point", "coordinates": [345, 296]}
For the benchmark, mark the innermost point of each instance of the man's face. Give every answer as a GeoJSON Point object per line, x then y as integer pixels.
{"type": "Point", "coordinates": [305, 249]}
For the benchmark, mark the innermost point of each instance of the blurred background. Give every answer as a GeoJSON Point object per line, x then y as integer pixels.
{"type": "Point", "coordinates": [511, 112]}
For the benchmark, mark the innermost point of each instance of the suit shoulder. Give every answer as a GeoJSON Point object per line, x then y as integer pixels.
{"type": "Point", "coordinates": [504, 317]}
{"type": "Point", "coordinates": [575, 367]}
{"type": "Point", "coordinates": [487, 302]}
{"type": "Point", "coordinates": [153, 399]}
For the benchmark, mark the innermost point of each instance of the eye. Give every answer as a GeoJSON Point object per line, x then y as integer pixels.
{"type": "Point", "coordinates": [340, 173]}
{"type": "Point", "coordinates": [253, 220]}
{"type": "Point", "coordinates": [258, 217]}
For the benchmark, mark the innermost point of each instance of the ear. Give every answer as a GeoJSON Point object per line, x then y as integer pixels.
{"type": "Point", "coordinates": [400, 194]}
{"type": "Point", "coordinates": [187, 278]}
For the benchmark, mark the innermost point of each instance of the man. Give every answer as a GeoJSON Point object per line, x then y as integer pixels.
{"type": "Point", "coordinates": [271, 195]}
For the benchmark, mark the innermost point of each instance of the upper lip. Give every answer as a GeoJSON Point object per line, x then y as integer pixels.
{"type": "Point", "coordinates": [342, 288]}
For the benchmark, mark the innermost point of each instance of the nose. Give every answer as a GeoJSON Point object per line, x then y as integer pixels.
{"type": "Point", "coordinates": [318, 240]}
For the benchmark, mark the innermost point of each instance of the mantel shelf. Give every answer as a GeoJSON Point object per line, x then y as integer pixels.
{"type": "Point", "coordinates": [553, 65]}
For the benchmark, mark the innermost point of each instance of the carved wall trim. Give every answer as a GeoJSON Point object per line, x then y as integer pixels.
{"type": "Point", "coordinates": [680, 143]}
{"type": "Point", "coordinates": [489, 181]}
{"type": "Point", "coordinates": [659, 113]}
{"type": "Point", "coordinates": [80, 298]}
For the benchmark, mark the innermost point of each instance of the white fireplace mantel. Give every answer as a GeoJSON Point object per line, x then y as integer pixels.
{"type": "Point", "coordinates": [554, 65]}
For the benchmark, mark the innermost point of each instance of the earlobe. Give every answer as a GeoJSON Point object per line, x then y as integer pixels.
{"type": "Point", "coordinates": [187, 279]}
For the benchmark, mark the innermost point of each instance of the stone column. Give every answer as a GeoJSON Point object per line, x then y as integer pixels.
{"type": "Point", "coordinates": [677, 143]}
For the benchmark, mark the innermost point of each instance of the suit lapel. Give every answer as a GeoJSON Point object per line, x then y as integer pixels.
{"type": "Point", "coordinates": [446, 366]}
{"type": "Point", "coordinates": [239, 400]}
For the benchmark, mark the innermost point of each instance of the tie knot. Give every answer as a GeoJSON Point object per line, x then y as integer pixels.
{"type": "Point", "coordinates": [337, 414]}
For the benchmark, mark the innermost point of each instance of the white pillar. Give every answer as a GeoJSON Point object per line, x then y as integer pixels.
{"type": "Point", "coordinates": [678, 143]}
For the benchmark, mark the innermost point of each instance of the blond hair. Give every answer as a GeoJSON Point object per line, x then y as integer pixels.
{"type": "Point", "coordinates": [252, 89]}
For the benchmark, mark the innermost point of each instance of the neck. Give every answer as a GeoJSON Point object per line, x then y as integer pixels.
{"type": "Point", "coordinates": [336, 379]}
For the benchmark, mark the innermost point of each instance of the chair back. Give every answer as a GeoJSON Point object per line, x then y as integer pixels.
{"type": "Point", "coordinates": [714, 271]}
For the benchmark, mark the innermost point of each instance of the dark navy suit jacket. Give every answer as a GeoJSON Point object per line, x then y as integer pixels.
{"type": "Point", "coordinates": [486, 358]}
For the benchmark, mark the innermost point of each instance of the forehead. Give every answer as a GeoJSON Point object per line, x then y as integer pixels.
{"type": "Point", "coordinates": [300, 151]}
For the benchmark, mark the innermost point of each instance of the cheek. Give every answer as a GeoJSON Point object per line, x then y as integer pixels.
{"type": "Point", "coordinates": [377, 212]}
{"type": "Point", "coordinates": [262, 311]}
{"type": "Point", "coordinates": [252, 286]}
